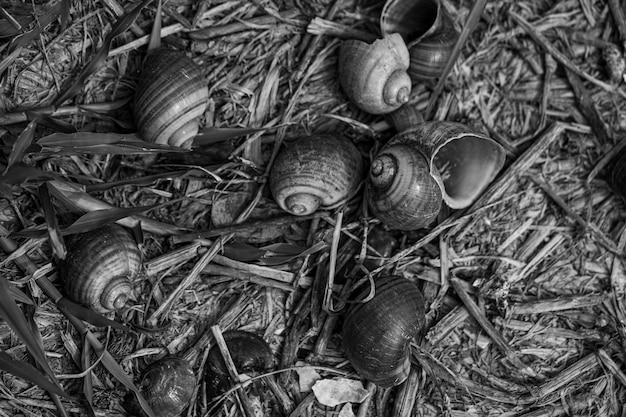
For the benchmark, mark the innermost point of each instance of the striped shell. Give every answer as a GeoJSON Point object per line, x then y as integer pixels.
{"type": "Point", "coordinates": [170, 98]}
{"type": "Point", "coordinates": [427, 30]}
{"type": "Point", "coordinates": [168, 385]}
{"type": "Point", "coordinates": [99, 266]}
{"type": "Point", "coordinates": [377, 334]}
{"type": "Point", "coordinates": [319, 171]}
{"type": "Point", "coordinates": [404, 176]}
{"type": "Point", "coordinates": [374, 76]}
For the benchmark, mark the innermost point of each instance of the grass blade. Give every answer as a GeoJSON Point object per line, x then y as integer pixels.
{"type": "Point", "coordinates": [28, 372]}
{"type": "Point", "coordinates": [21, 144]}
{"type": "Point", "coordinates": [52, 225]}
{"type": "Point", "coordinates": [67, 306]}
{"type": "Point", "coordinates": [100, 144]}
{"type": "Point", "coordinates": [88, 379]}
{"type": "Point", "coordinates": [14, 317]}
{"type": "Point", "coordinates": [154, 42]}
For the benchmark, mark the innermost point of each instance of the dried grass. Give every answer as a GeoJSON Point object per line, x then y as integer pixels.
{"type": "Point", "coordinates": [525, 289]}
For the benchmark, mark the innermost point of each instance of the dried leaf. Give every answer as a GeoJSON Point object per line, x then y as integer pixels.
{"type": "Point", "coordinates": [307, 377]}
{"type": "Point", "coordinates": [154, 42]}
{"type": "Point", "coordinates": [332, 392]}
{"type": "Point", "coordinates": [19, 173]}
{"type": "Point", "coordinates": [85, 362]}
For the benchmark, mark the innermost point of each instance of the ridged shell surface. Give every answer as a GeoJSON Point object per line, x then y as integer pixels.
{"type": "Point", "coordinates": [617, 174]}
{"type": "Point", "coordinates": [401, 191]}
{"type": "Point", "coordinates": [377, 334]}
{"type": "Point", "coordinates": [462, 160]}
{"type": "Point", "coordinates": [168, 385]}
{"type": "Point", "coordinates": [99, 267]}
{"type": "Point", "coordinates": [318, 171]}
{"type": "Point", "coordinates": [170, 98]}
{"type": "Point", "coordinates": [374, 75]}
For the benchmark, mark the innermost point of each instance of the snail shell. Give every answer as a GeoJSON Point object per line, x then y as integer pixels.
{"type": "Point", "coordinates": [250, 353]}
{"type": "Point", "coordinates": [170, 98]}
{"type": "Point", "coordinates": [377, 334]}
{"type": "Point", "coordinates": [319, 171]}
{"type": "Point", "coordinates": [427, 30]}
{"type": "Point", "coordinates": [374, 76]}
{"type": "Point", "coordinates": [99, 266]}
{"type": "Point", "coordinates": [168, 385]}
{"type": "Point", "coordinates": [454, 157]}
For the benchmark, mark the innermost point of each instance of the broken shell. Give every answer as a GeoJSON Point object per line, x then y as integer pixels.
{"type": "Point", "coordinates": [170, 98]}
{"type": "Point", "coordinates": [450, 156]}
{"type": "Point", "coordinates": [319, 171]}
{"type": "Point", "coordinates": [374, 76]}
{"type": "Point", "coordinates": [99, 267]}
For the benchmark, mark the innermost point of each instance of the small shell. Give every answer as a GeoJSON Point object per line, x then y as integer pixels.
{"type": "Point", "coordinates": [430, 55]}
{"type": "Point", "coordinates": [374, 76]}
{"type": "Point", "coordinates": [405, 117]}
{"type": "Point", "coordinates": [168, 385]}
{"type": "Point", "coordinates": [99, 266]}
{"type": "Point", "coordinates": [319, 171]}
{"type": "Point", "coordinates": [377, 334]}
{"type": "Point", "coordinates": [170, 98]}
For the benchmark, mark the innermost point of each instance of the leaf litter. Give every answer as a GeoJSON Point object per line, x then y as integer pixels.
{"type": "Point", "coordinates": [524, 289]}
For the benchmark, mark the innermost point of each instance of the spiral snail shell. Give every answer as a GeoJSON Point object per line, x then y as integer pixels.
{"type": "Point", "coordinates": [99, 266]}
{"type": "Point", "coordinates": [427, 30]}
{"type": "Point", "coordinates": [374, 75]}
{"type": "Point", "coordinates": [170, 98]}
{"type": "Point", "coordinates": [318, 171]}
{"type": "Point", "coordinates": [167, 385]}
{"type": "Point", "coordinates": [427, 163]}
{"type": "Point", "coordinates": [377, 334]}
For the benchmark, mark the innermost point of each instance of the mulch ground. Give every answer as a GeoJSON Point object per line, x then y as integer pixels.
{"type": "Point", "coordinates": [524, 290]}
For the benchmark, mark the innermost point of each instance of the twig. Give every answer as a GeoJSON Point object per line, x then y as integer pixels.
{"type": "Point", "coordinates": [258, 22]}
{"type": "Point", "coordinates": [604, 239]}
{"type": "Point", "coordinates": [497, 338]}
{"type": "Point", "coordinates": [561, 58]}
{"type": "Point", "coordinates": [620, 20]}
{"type": "Point", "coordinates": [470, 23]}
{"type": "Point", "coordinates": [558, 304]}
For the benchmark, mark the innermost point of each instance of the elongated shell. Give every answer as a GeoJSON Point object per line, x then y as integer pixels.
{"type": "Point", "coordinates": [170, 98]}
{"type": "Point", "coordinates": [377, 334]}
{"type": "Point", "coordinates": [374, 76]}
{"type": "Point", "coordinates": [319, 171]}
{"type": "Point", "coordinates": [168, 385]}
{"type": "Point", "coordinates": [99, 267]}
{"type": "Point", "coordinates": [427, 30]}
